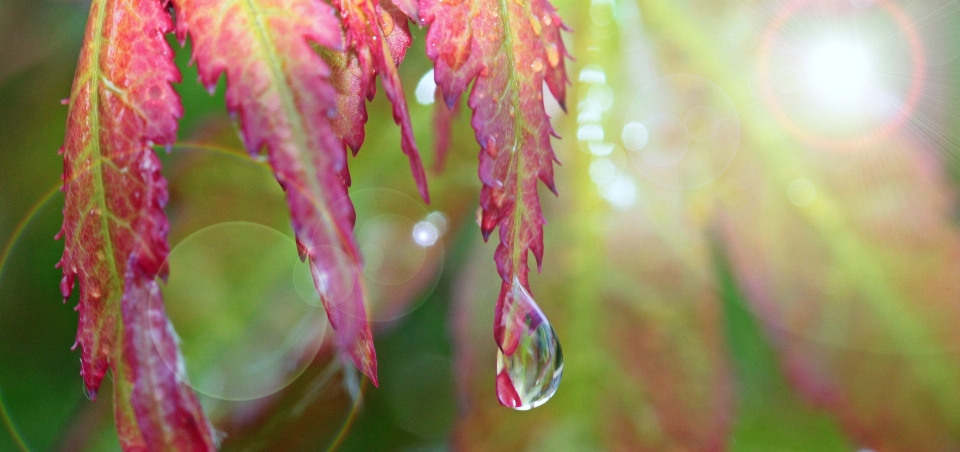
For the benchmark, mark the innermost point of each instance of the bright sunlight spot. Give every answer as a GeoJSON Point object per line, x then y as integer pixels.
{"type": "Point", "coordinates": [839, 72]}
{"type": "Point", "coordinates": [425, 234]}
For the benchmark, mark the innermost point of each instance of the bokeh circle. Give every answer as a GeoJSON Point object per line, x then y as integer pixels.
{"type": "Point", "coordinates": [401, 244]}
{"type": "Point", "coordinates": [245, 332]}
{"type": "Point", "coordinates": [681, 131]}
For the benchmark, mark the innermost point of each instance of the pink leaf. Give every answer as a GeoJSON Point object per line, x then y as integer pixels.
{"type": "Point", "coordinates": [280, 89]}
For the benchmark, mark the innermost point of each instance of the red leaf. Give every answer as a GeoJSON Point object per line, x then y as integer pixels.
{"type": "Point", "coordinates": [351, 117]}
{"type": "Point", "coordinates": [114, 226]}
{"type": "Point", "coordinates": [377, 36]}
{"type": "Point", "coordinates": [509, 49]}
{"type": "Point", "coordinates": [280, 89]}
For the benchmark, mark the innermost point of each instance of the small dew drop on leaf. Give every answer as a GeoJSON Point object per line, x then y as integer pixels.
{"type": "Point", "coordinates": [553, 55]}
{"type": "Point", "coordinates": [529, 359]}
{"type": "Point", "coordinates": [537, 65]}
{"type": "Point", "coordinates": [386, 23]}
{"type": "Point", "coordinates": [535, 24]}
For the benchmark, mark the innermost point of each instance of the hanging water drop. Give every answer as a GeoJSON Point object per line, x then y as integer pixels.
{"type": "Point", "coordinates": [529, 358]}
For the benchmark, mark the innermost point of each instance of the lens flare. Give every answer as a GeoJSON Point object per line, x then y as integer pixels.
{"type": "Point", "coordinates": [839, 72]}
{"type": "Point", "coordinates": [858, 90]}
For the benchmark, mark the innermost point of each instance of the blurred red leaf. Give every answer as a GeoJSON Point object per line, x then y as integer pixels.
{"type": "Point", "coordinates": [865, 328]}
{"type": "Point", "coordinates": [280, 88]}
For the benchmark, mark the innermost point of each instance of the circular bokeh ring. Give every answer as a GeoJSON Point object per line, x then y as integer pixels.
{"type": "Point", "coordinates": [401, 244]}
{"type": "Point", "coordinates": [914, 91]}
{"type": "Point", "coordinates": [244, 330]}
{"type": "Point", "coordinates": [48, 204]}
{"type": "Point", "coordinates": [682, 131]}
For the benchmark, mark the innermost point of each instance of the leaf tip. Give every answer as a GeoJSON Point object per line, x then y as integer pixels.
{"type": "Point", "coordinates": [91, 393]}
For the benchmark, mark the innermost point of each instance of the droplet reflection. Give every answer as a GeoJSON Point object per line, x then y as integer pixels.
{"type": "Point", "coordinates": [529, 359]}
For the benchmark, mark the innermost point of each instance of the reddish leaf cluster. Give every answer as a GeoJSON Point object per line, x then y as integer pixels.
{"type": "Point", "coordinates": [279, 87]}
{"type": "Point", "coordinates": [302, 107]}
{"type": "Point", "coordinates": [377, 35]}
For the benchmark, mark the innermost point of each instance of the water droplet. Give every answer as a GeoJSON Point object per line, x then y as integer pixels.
{"type": "Point", "coordinates": [537, 65]}
{"type": "Point", "coordinates": [535, 23]}
{"type": "Point", "coordinates": [491, 147]}
{"type": "Point", "coordinates": [386, 23]}
{"type": "Point", "coordinates": [553, 55]}
{"type": "Point", "coordinates": [547, 20]}
{"type": "Point", "coordinates": [529, 358]}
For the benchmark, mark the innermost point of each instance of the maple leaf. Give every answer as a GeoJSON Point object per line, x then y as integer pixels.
{"type": "Point", "coordinates": [509, 50]}
{"type": "Point", "coordinates": [377, 36]}
{"type": "Point", "coordinates": [280, 89]}
{"type": "Point", "coordinates": [114, 226]}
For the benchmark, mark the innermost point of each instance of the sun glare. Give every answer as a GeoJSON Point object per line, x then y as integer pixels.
{"type": "Point", "coordinates": [839, 72]}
